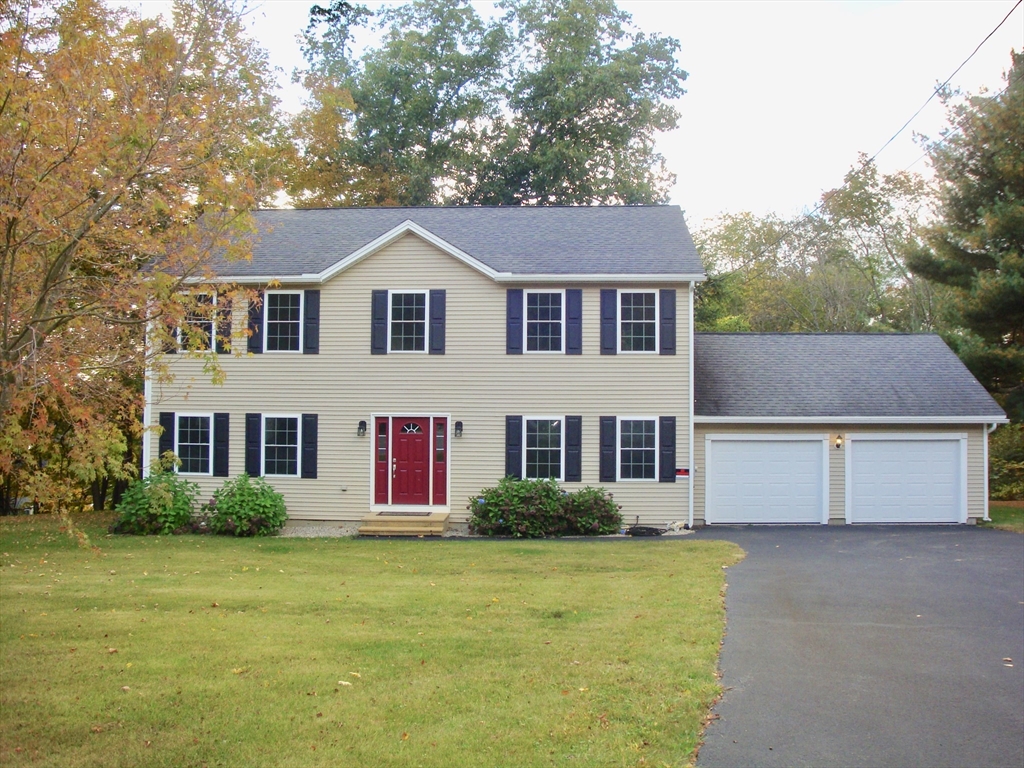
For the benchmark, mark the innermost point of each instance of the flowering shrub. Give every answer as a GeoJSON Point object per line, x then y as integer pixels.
{"type": "Point", "coordinates": [246, 507]}
{"type": "Point", "coordinates": [528, 509]}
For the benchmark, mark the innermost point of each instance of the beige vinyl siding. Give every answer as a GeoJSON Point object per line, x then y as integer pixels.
{"type": "Point", "coordinates": [837, 458]}
{"type": "Point", "coordinates": [474, 382]}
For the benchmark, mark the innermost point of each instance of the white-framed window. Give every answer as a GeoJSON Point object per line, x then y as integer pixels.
{"type": "Point", "coordinates": [638, 321]}
{"type": "Point", "coordinates": [283, 321]}
{"type": "Point", "coordinates": [281, 441]}
{"type": "Point", "coordinates": [193, 433]}
{"type": "Point", "coordinates": [407, 321]}
{"type": "Point", "coordinates": [544, 325]}
{"type": "Point", "coordinates": [637, 448]}
{"type": "Point", "coordinates": [543, 444]}
{"type": "Point", "coordinates": [198, 332]}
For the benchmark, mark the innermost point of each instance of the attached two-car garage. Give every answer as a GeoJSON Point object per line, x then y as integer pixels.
{"type": "Point", "coordinates": [837, 428]}
{"type": "Point", "coordinates": [780, 478]}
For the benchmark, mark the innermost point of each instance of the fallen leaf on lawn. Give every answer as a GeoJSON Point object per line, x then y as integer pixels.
{"type": "Point", "coordinates": [239, 670]}
{"type": "Point", "coordinates": [111, 650]}
{"type": "Point", "coordinates": [215, 605]}
{"type": "Point", "coordinates": [96, 729]}
{"type": "Point", "coordinates": [128, 665]}
{"type": "Point", "coordinates": [344, 682]}
{"type": "Point", "coordinates": [355, 674]}
{"type": "Point", "coordinates": [584, 689]}
{"type": "Point", "coordinates": [405, 737]}
{"type": "Point", "coordinates": [125, 688]}
{"type": "Point", "coordinates": [565, 693]}
{"type": "Point", "coordinates": [147, 742]}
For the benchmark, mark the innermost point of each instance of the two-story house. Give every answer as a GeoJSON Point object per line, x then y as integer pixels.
{"type": "Point", "coordinates": [397, 361]}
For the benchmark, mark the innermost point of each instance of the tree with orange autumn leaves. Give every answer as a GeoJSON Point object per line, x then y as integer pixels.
{"type": "Point", "coordinates": [131, 150]}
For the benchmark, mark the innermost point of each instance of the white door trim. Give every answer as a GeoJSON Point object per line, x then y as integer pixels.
{"type": "Point", "coordinates": [391, 416]}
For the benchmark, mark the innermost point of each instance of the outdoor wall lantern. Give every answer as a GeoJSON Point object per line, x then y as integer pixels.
{"type": "Point", "coordinates": [839, 442]}
{"type": "Point", "coordinates": [458, 429]}
{"type": "Point", "coordinates": [361, 429]}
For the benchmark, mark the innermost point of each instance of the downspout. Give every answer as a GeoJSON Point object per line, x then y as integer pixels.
{"type": "Point", "coordinates": [689, 448]}
{"type": "Point", "coordinates": [147, 397]}
{"type": "Point", "coordinates": [989, 431]}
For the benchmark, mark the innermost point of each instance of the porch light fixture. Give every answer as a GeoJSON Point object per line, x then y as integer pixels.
{"type": "Point", "coordinates": [361, 429]}
{"type": "Point", "coordinates": [839, 442]}
{"type": "Point", "coordinates": [458, 429]}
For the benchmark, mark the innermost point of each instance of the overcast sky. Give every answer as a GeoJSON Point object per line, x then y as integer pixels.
{"type": "Point", "coordinates": [781, 96]}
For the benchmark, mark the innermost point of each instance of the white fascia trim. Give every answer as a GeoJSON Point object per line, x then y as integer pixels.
{"type": "Point", "coordinates": [508, 277]}
{"type": "Point", "coordinates": [848, 420]}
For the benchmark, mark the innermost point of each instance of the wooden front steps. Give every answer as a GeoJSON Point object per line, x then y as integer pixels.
{"type": "Point", "coordinates": [434, 524]}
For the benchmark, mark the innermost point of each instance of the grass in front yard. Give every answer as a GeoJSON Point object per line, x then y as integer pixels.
{"type": "Point", "coordinates": [1006, 515]}
{"type": "Point", "coordinates": [192, 651]}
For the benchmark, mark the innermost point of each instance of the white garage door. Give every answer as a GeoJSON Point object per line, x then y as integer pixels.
{"type": "Point", "coordinates": [756, 480]}
{"type": "Point", "coordinates": [905, 480]}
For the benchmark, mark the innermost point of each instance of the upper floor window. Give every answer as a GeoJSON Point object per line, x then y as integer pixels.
{"type": "Point", "coordinates": [638, 321]}
{"type": "Point", "coordinates": [284, 321]}
{"type": "Point", "coordinates": [545, 328]}
{"type": "Point", "coordinates": [198, 331]}
{"type": "Point", "coordinates": [407, 330]}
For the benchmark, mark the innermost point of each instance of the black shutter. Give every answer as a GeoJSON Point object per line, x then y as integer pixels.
{"type": "Point", "coordinates": [167, 436]}
{"type": "Point", "coordinates": [667, 303]}
{"type": "Point", "coordinates": [253, 444]}
{"type": "Point", "coordinates": [221, 423]}
{"type": "Point", "coordinates": [514, 447]}
{"type": "Point", "coordinates": [609, 321]}
{"type": "Point", "coordinates": [437, 313]}
{"type": "Point", "coordinates": [309, 440]}
{"type": "Point", "coordinates": [574, 321]}
{"type": "Point", "coordinates": [609, 454]}
{"type": "Point", "coordinates": [379, 325]}
{"type": "Point", "coordinates": [667, 449]}
{"type": "Point", "coordinates": [514, 321]}
{"type": "Point", "coordinates": [311, 322]}
{"type": "Point", "coordinates": [573, 449]}
{"type": "Point", "coordinates": [255, 344]}
{"type": "Point", "coordinates": [222, 329]}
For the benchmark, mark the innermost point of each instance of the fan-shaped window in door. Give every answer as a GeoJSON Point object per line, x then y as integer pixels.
{"type": "Point", "coordinates": [411, 428]}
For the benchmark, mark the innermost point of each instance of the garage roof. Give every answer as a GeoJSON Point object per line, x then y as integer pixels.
{"type": "Point", "coordinates": [648, 240]}
{"type": "Point", "coordinates": [853, 377]}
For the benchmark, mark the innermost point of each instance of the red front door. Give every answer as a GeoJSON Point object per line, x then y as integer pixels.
{"type": "Point", "coordinates": [410, 461]}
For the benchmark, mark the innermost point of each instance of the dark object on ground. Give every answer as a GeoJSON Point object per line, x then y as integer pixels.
{"type": "Point", "coordinates": [643, 530]}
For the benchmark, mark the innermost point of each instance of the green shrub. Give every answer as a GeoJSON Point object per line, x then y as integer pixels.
{"type": "Point", "coordinates": [160, 503]}
{"type": "Point", "coordinates": [529, 509]}
{"type": "Point", "coordinates": [246, 507]}
{"type": "Point", "coordinates": [1006, 463]}
{"type": "Point", "coordinates": [591, 512]}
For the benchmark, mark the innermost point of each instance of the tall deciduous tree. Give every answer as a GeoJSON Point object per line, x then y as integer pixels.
{"type": "Point", "coordinates": [555, 103]}
{"type": "Point", "coordinates": [977, 248]}
{"type": "Point", "coordinates": [117, 135]}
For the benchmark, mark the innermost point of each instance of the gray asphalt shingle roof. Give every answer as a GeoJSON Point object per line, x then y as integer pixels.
{"type": "Point", "coordinates": [834, 374]}
{"type": "Point", "coordinates": [520, 240]}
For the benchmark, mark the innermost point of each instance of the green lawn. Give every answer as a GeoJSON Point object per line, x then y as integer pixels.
{"type": "Point", "coordinates": [204, 651]}
{"type": "Point", "coordinates": [1006, 515]}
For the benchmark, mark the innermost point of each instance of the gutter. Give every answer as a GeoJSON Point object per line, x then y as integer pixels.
{"type": "Point", "coordinates": [147, 408]}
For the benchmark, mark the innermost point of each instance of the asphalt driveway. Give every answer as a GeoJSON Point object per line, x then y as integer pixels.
{"type": "Point", "coordinates": [871, 646]}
